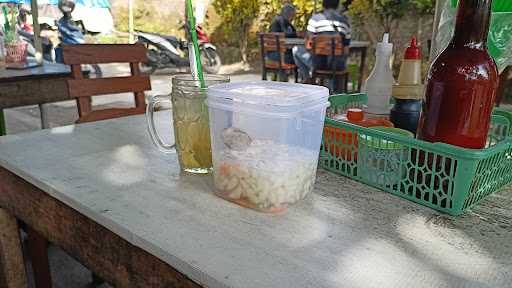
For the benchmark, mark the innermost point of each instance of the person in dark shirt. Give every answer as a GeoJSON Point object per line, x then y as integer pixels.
{"type": "Point", "coordinates": [282, 24]}
{"type": "Point", "coordinates": [328, 22]}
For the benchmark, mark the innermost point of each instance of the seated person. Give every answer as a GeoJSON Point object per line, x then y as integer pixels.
{"type": "Point", "coordinates": [282, 24]}
{"type": "Point", "coordinates": [328, 22]}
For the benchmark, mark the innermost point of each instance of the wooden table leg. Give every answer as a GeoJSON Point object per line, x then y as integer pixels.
{"type": "Point", "coordinates": [362, 69]}
{"type": "Point", "coordinates": [12, 267]}
{"type": "Point", "coordinates": [43, 110]}
{"type": "Point", "coordinates": [38, 251]}
{"type": "Point", "coordinates": [3, 129]}
{"type": "Point", "coordinates": [111, 257]}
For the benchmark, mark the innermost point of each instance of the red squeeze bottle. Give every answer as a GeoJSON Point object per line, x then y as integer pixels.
{"type": "Point", "coordinates": [462, 83]}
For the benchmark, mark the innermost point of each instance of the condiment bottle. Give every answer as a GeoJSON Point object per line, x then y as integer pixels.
{"type": "Point", "coordinates": [462, 83]}
{"type": "Point", "coordinates": [379, 84]}
{"type": "Point", "coordinates": [408, 93]}
{"type": "Point", "coordinates": [358, 117]}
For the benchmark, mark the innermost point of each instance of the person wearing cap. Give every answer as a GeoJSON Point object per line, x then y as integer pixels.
{"type": "Point", "coordinates": [327, 22]}
{"type": "Point", "coordinates": [282, 23]}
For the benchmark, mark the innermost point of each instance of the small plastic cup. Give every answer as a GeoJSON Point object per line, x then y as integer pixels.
{"type": "Point", "coordinates": [381, 160]}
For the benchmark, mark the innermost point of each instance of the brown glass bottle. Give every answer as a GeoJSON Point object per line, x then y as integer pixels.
{"type": "Point", "coordinates": [462, 83]}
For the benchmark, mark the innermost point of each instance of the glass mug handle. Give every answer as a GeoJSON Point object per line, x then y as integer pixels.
{"type": "Point", "coordinates": [150, 118]}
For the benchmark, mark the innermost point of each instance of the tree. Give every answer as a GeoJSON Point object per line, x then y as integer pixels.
{"type": "Point", "coordinates": [238, 17]}
{"type": "Point", "coordinates": [372, 14]}
{"type": "Point", "coordinates": [423, 9]}
{"type": "Point", "coordinates": [271, 8]}
{"type": "Point", "coordinates": [401, 18]}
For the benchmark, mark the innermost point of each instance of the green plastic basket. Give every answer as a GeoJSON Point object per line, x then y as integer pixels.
{"type": "Point", "coordinates": [446, 178]}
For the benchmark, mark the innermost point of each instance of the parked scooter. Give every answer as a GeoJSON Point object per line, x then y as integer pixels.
{"type": "Point", "coordinates": [71, 34]}
{"type": "Point", "coordinates": [172, 52]}
{"type": "Point", "coordinates": [26, 33]}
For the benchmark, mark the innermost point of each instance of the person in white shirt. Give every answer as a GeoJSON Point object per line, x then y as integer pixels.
{"type": "Point", "coordinates": [327, 22]}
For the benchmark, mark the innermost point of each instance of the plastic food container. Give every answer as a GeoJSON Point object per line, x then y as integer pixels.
{"type": "Point", "coordinates": [266, 138]}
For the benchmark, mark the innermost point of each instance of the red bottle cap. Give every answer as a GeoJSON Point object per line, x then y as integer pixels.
{"type": "Point", "coordinates": [355, 115]}
{"type": "Point", "coordinates": [413, 52]}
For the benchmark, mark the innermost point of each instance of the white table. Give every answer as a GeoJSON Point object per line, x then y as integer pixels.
{"type": "Point", "coordinates": [302, 42]}
{"type": "Point", "coordinates": [344, 235]}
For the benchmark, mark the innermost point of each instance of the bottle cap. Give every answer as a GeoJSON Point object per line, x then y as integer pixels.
{"type": "Point", "coordinates": [355, 115]}
{"type": "Point", "coordinates": [385, 46]}
{"type": "Point", "coordinates": [413, 52]}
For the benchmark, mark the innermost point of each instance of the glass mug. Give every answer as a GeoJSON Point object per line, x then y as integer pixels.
{"type": "Point", "coordinates": [190, 123]}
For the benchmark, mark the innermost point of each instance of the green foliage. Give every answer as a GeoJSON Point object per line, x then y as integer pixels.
{"type": "Point", "coordinates": [146, 18]}
{"type": "Point", "coordinates": [400, 18]}
{"type": "Point", "coordinates": [425, 7]}
{"type": "Point", "coordinates": [241, 19]}
{"type": "Point", "coordinates": [389, 12]}
{"type": "Point", "coordinates": [11, 36]}
{"type": "Point", "coordinates": [386, 12]}
{"type": "Point", "coordinates": [238, 17]}
{"type": "Point", "coordinates": [271, 8]}
{"type": "Point", "coordinates": [110, 39]}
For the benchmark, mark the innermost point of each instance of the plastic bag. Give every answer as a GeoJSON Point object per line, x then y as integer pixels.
{"type": "Point", "coordinates": [499, 40]}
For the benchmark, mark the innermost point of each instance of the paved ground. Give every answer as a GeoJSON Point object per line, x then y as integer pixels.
{"type": "Point", "coordinates": [66, 272]}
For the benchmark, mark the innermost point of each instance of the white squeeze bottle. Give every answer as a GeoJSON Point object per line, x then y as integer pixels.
{"type": "Point", "coordinates": [379, 84]}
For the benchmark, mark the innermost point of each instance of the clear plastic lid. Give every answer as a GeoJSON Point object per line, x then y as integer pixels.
{"type": "Point", "coordinates": [268, 93]}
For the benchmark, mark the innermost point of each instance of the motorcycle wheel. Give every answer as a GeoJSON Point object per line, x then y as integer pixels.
{"type": "Point", "coordinates": [147, 68]}
{"type": "Point", "coordinates": [92, 71]}
{"type": "Point", "coordinates": [96, 69]}
{"type": "Point", "coordinates": [211, 61]}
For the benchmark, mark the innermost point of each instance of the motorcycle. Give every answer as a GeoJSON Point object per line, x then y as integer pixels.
{"type": "Point", "coordinates": [26, 34]}
{"type": "Point", "coordinates": [172, 52]}
{"type": "Point", "coordinates": [68, 34]}
{"type": "Point", "coordinates": [71, 34]}
{"type": "Point", "coordinates": [47, 45]}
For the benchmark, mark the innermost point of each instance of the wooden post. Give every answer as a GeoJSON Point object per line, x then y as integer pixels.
{"type": "Point", "coordinates": [3, 129]}
{"type": "Point", "coordinates": [130, 21]}
{"type": "Point", "coordinates": [38, 250]}
{"type": "Point", "coordinates": [43, 110]}
{"type": "Point", "coordinates": [37, 32]}
{"type": "Point", "coordinates": [12, 267]}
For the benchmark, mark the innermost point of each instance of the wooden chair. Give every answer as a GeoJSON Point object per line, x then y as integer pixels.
{"type": "Point", "coordinates": [275, 42]}
{"type": "Point", "coordinates": [325, 46]}
{"type": "Point", "coordinates": [301, 34]}
{"type": "Point", "coordinates": [83, 89]}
